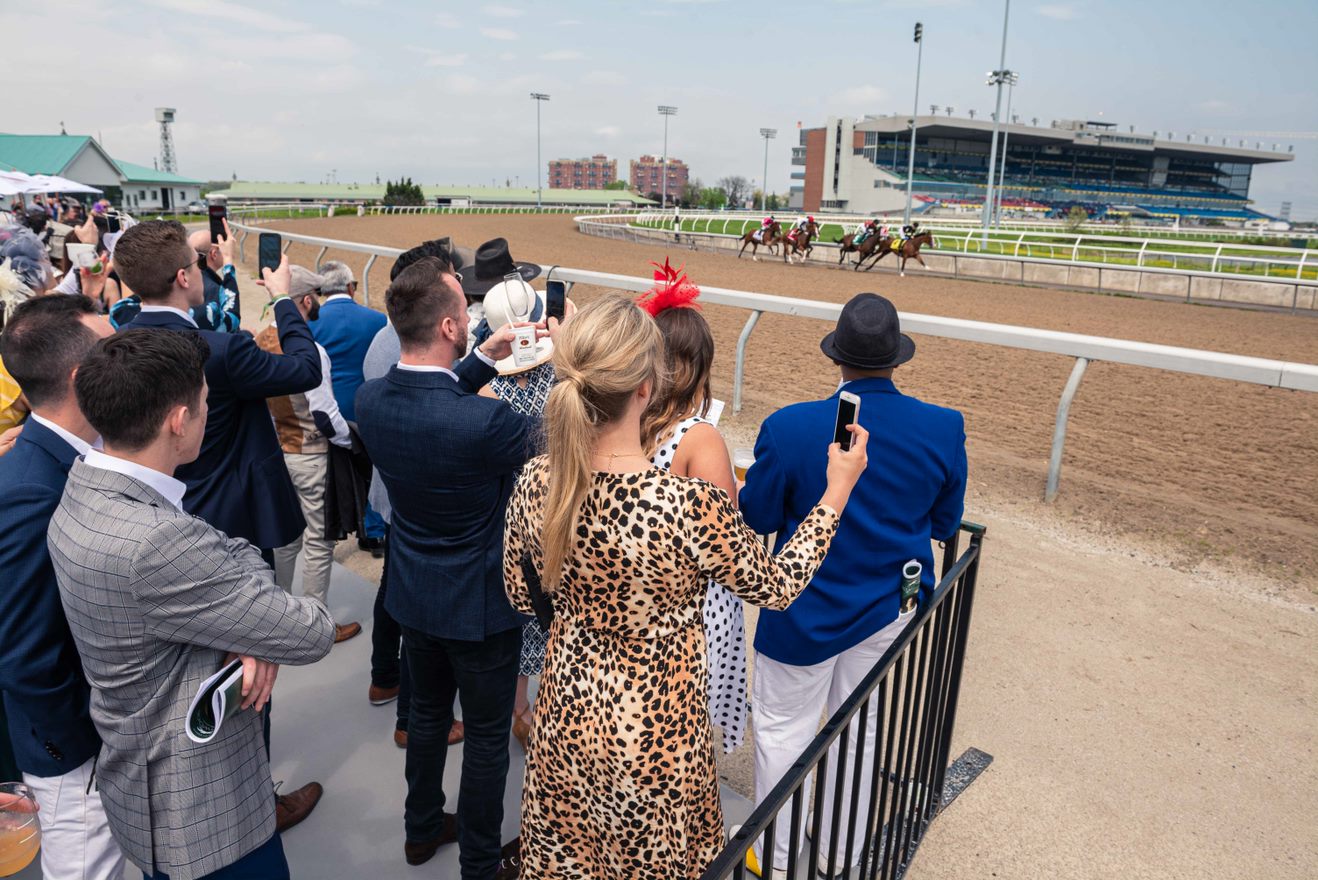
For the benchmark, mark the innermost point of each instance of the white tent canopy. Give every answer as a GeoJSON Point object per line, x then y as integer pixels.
{"type": "Point", "coordinates": [14, 183]}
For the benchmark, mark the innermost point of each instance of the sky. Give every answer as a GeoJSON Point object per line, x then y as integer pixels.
{"type": "Point", "coordinates": [294, 90]}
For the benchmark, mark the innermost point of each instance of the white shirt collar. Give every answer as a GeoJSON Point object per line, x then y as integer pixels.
{"type": "Point", "coordinates": [80, 446]}
{"type": "Point", "coordinates": [171, 489]}
{"type": "Point", "coordinates": [182, 314]}
{"type": "Point", "coordinates": [334, 296]}
{"type": "Point", "coordinates": [428, 368]}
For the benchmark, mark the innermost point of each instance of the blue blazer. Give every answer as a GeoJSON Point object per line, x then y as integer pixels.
{"type": "Point", "coordinates": [239, 483]}
{"type": "Point", "coordinates": [912, 492]}
{"type": "Point", "coordinates": [46, 696]}
{"type": "Point", "coordinates": [346, 329]}
{"type": "Point", "coordinates": [449, 459]}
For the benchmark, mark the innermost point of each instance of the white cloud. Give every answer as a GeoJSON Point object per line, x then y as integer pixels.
{"type": "Point", "coordinates": [608, 131]}
{"type": "Point", "coordinates": [1058, 11]}
{"type": "Point", "coordinates": [446, 60]}
{"type": "Point", "coordinates": [446, 20]}
{"type": "Point", "coordinates": [498, 34]}
{"type": "Point", "coordinates": [234, 14]}
{"type": "Point", "coordinates": [568, 22]}
{"type": "Point", "coordinates": [604, 78]}
{"type": "Point", "coordinates": [562, 55]}
{"type": "Point", "coordinates": [502, 11]}
{"type": "Point", "coordinates": [858, 95]}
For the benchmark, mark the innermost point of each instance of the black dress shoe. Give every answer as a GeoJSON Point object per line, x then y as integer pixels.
{"type": "Point", "coordinates": [420, 853]}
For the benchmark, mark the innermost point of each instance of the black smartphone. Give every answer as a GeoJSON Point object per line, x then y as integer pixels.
{"type": "Point", "coordinates": [111, 222]}
{"type": "Point", "coordinates": [848, 410]}
{"type": "Point", "coordinates": [269, 252]}
{"type": "Point", "coordinates": [555, 299]}
{"type": "Point", "coordinates": [218, 213]}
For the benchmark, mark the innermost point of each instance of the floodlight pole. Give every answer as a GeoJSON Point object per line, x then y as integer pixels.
{"type": "Point", "coordinates": [995, 78]}
{"type": "Point", "coordinates": [768, 134]}
{"type": "Point", "coordinates": [915, 115]}
{"type": "Point", "coordinates": [665, 111]}
{"type": "Point", "coordinates": [1012, 79]}
{"type": "Point", "coordinates": [539, 98]}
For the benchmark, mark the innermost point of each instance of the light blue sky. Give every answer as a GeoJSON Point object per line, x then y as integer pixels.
{"type": "Point", "coordinates": [290, 89]}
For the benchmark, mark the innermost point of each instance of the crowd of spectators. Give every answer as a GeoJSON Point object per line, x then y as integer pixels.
{"type": "Point", "coordinates": [570, 514]}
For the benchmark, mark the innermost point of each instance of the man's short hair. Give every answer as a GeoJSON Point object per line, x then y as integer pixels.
{"type": "Point", "coordinates": [418, 299]}
{"type": "Point", "coordinates": [149, 255]}
{"type": "Point", "coordinates": [130, 381]}
{"type": "Point", "coordinates": [336, 277]}
{"type": "Point", "coordinates": [43, 341]}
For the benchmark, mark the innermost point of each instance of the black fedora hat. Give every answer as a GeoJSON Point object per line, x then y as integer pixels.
{"type": "Point", "coordinates": [868, 335]}
{"type": "Point", "coordinates": [492, 264]}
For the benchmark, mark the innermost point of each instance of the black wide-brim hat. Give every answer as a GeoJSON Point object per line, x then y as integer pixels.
{"type": "Point", "coordinates": [868, 335]}
{"type": "Point", "coordinates": [492, 263]}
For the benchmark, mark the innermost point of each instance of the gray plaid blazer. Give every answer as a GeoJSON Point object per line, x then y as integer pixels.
{"type": "Point", "coordinates": [155, 599]}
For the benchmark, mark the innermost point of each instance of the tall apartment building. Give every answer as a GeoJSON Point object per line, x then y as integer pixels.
{"type": "Point", "coordinates": [647, 176]}
{"type": "Point", "coordinates": [594, 173]}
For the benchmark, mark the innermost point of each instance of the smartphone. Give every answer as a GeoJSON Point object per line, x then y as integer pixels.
{"type": "Point", "coordinates": [111, 222]}
{"type": "Point", "coordinates": [270, 252]}
{"type": "Point", "coordinates": [848, 410]}
{"type": "Point", "coordinates": [218, 213]}
{"type": "Point", "coordinates": [555, 299]}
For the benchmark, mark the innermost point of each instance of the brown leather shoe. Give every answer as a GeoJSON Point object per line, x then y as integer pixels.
{"type": "Point", "coordinates": [345, 631]}
{"type": "Point", "coordinates": [295, 806]}
{"type": "Point", "coordinates": [380, 696]}
{"type": "Point", "coordinates": [457, 733]}
{"type": "Point", "coordinates": [420, 853]}
{"type": "Point", "coordinates": [400, 738]}
{"type": "Point", "coordinates": [510, 860]}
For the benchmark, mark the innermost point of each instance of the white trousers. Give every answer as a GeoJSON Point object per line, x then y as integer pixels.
{"type": "Point", "coordinates": [75, 835]}
{"type": "Point", "coordinates": [309, 472]}
{"type": "Point", "coordinates": [786, 708]}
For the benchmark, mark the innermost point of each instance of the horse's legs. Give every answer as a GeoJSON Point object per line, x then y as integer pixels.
{"type": "Point", "coordinates": [919, 259]}
{"type": "Point", "coordinates": [744, 242]}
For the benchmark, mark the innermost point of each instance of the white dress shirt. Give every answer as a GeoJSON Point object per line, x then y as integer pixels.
{"type": "Point", "coordinates": [167, 486]}
{"type": "Point", "coordinates": [80, 446]}
{"type": "Point", "coordinates": [432, 368]}
{"type": "Point", "coordinates": [147, 309]}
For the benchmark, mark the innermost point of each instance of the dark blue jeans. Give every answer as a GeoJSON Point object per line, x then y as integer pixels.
{"type": "Point", "coordinates": [388, 660]}
{"type": "Point", "coordinates": [266, 862]}
{"type": "Point", "coordinates": [483, 675]}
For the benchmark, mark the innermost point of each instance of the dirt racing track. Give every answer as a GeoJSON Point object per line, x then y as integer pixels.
{"type": "Point", "coordinates": [1205, 468]}
{"type": "Point", "coordinates": [1140, 661]}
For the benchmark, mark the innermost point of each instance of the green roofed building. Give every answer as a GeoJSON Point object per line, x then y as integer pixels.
{"type": "Point", "coordinates": [272, 193]}
{"type": "Point", "coordinates": [136, 188]}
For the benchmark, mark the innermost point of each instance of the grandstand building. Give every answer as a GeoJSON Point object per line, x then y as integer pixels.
{"type": "Point", "coordinates": [860, 167]}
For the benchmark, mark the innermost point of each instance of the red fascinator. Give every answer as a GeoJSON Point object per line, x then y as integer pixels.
{"type": "Point", "coordinates": [672, 290]}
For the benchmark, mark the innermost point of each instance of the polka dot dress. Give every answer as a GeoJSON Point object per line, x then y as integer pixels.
{"type": "Point", "coordinates": [528, 397]}
{"type": "Point", "coordinates": [725, 633]}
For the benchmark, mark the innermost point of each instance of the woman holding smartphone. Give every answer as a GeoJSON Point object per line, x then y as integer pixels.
{"type": "Point", "coordinates": [620, 776]}
{"type": "Point", "coordinates": [680, 436]}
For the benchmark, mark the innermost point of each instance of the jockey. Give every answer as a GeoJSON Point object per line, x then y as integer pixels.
{"type": "Point", "coordinates": [800, 226]}
{"type": "Point", "coordinates": [765, 225]}
{"type": "Point", "coordinates": [866, 231]}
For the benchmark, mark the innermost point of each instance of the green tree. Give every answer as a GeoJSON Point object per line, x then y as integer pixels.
{"type": "Point", "coordinates": [712, 198]}
{"type": "Point", "coordinates": [617, 184]}
{"type": "Point", "coordinates": [735, 189]}
{"type": "Point", "coordinates": [1075, 218]}
{"type": "Point", "coordinates": [404, 192]}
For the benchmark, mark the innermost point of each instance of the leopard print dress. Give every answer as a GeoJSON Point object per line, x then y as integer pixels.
{"type": "Point", "coordinates": [620, 775]}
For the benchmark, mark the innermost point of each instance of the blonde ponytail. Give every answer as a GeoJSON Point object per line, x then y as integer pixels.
{"type": "Point", "coordinates": [602, 356]}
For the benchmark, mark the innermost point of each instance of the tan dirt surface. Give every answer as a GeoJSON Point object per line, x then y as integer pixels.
{"type": "Point", "coordinates": [1142, 659]}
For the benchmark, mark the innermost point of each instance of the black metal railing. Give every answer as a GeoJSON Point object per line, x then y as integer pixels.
{"type": "Point", "coordinates": [910, 698]}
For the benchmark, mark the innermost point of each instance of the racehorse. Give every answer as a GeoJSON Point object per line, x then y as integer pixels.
{"type": "Point", "coordinates": [906, 250]}
{"type": "Point", "coordinates": [799, 242]}
{"type": "Point", "coordinates": [771, 240]}
{"type": "Point", "coordinates": [863, 251]}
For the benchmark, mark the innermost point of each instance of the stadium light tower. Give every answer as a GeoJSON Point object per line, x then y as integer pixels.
{"type": "Point", "coordinates": [165, 116]}
{"type": "Point", "coordinates": [768, 134]}
{"type": "Point", "coordinates": [915, 122]}
{"type": "Point", "coordinates": [539, 98]}
{"type": "Point", "coordinates": [996, 78]}
{"type": "Point", "coordinates": [1012, 78]}
{"type": "Point", "coordinates": [665, 111]}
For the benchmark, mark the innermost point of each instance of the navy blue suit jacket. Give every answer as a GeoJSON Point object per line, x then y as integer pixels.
{"type": "Point", "coordinates": [912, 492]}
{"type": "Point", "coordinates": [46, 695]}
{"type": "Point", "coordinates": [239, 483]}
{"type": "Point", "coordinates": [346, 329]}
{"type": "Point", "coordinates": [449, 459]}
